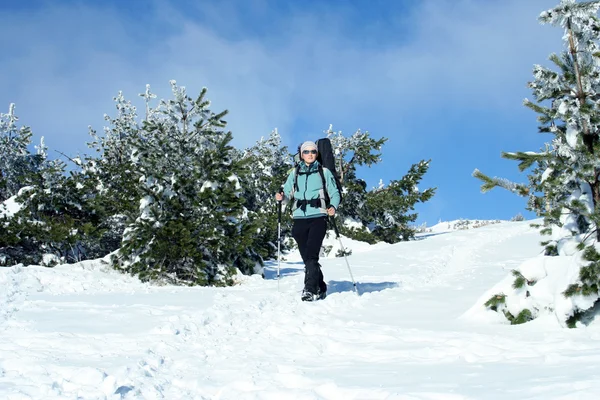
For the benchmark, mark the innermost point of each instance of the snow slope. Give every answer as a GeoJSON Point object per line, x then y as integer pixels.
{"type": "Point", "coordinates": [85, 332]}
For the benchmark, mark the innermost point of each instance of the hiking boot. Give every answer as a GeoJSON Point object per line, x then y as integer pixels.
{"type": "Point", "coordinates": [322, 293]}
{"type": "Point", "coordinates": [308, 296]}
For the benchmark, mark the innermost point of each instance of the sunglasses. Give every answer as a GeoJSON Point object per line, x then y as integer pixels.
{"type": "Point", "coordinates": [309, 152]}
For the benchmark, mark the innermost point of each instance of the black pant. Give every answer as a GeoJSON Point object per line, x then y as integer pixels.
{"type": "Point", "coordinates": [309, 234]}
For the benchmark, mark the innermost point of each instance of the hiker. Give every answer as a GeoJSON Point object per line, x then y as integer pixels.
{"type": "Point", "coordinates": [310, 213]}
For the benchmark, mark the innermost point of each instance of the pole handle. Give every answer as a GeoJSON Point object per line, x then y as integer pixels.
{"type": "Point", "coordinates": [279, 206]}
{"type": "Point", "coordinates": [335, 228]}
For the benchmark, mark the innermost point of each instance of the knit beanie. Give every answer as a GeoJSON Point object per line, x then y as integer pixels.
{"type": "Point", "coordinates": [307, 146]}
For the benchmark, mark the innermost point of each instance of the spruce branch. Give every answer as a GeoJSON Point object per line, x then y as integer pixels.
{"type": "Point", "coordinates": [536, 107]}
{"type": "Point", "coordinates": [495, 301]}
{"type": "Point", "coordinates": [559, 63]}
{"type": "Point", "coordinates": [524, 316]}
{"type": "Point", "coordinates": [491, 183]}
{"type": "Point", "coordinates": [572, 290]}
{"type": "Point", "coordinates": [520, 280]}
{"type": "Point", "coordinates": [527, 158]}
{"type": "Point", "coordinates": [78, 163]}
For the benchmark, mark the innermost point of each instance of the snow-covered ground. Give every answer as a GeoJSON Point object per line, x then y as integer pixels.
{"type": "Point", "coordinates": [85, 332]}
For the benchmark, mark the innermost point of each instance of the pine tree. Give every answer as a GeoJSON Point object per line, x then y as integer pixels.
{"type": "Point", "coordinates": [110, 175]}
{"type": "Point", "coordinates": [270, 163]}
{"type": "Point", "coordinates": [382, 214]}
{"type": "Point", "coordinates": [564, 182]}
{"type": "Point", "coordinates": [390, 206]}
{"type": "Point", "coordinates": [359, 149]}
{"type": "Point", "coordinates": [17, 163]}
{"type": "Point", "coordinates": [192, 227]}
{"type": "Point", "coordinates": [52, 221]}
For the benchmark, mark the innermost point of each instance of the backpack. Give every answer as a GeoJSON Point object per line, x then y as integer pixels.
{"type": "Point", "coordinates": [326, 159]}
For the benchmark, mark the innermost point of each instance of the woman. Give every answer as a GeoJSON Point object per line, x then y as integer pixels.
{"type": "Point", "coordinates": [310, 211]}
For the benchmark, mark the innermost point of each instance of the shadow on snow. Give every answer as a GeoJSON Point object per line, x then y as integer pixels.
{"type": "Point", "coordinates": [270, 272]}
{"type": "Point", "coordinates": [270, 269]}
{"type": "Point", "coordinates": [423, 236]}
{"type": "Point", "coordinates": [363, 287]}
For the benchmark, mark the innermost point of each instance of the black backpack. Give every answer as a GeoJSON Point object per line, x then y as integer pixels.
{"type": "Point", "coordinates": [326, 159]}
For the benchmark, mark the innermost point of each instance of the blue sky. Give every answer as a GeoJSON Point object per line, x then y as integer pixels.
{"type": "Point", "coordinates": [442, 79]}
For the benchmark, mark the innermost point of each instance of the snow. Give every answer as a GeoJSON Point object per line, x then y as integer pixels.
{"type": "Point", "coordinates": [552, 276]}
{"type": "Point", "coordinates": [547, 173]}
{"type": "Point", "coordinates": [350, 222]}
{"type": "Point", "coordinates": [572, 135]}
{"type": "Point", "coordinates": [11, 206]}
{"type": "Point", "coordinates": [416, 332]}
{"type": "Point", "coordinates": [145, 204]}
{"type": "Point", "coordinates": [209, 185]}
{"type": "Point", "coordinates": [460, 224]}
{"type": "Point", "coordinates": [50, 260]}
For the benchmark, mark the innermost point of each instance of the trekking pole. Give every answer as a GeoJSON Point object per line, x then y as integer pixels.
{"type": "Point", "coordinates": [337, 234]}
{"type": "Point", "coordinates": [278, 238]}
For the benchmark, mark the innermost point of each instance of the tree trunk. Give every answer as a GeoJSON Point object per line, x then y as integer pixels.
{"type": "Point", "coordinates": [596, 199]}
{"type": "Point", "coordinates": [589, 138]}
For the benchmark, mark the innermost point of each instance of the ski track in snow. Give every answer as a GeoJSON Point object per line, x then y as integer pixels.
{"type": "Point", "coordinates": [89, 333]}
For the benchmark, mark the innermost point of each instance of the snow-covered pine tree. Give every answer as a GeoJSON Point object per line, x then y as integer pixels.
{"type": "Point", "coordinates": [17, 163]}
{"type": "Point", "coordinates": [270, 163]}
{"type": "Point", "coordinates": [52, 219]}
{"type": "Point", "coordinates": [192, 226]}
{"type": "Point", "coordinates": [564, 184]}
{"type": "Point", "coordinates": [390, 206]}
{"type": "Point", "coordinates": [111, 177]}
{"type": "Point", "coordinates": [380, 214]}
{"type": "Point", "coordinates": [359, 149]}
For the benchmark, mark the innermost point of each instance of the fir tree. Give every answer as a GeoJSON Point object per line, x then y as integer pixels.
{"type": "Point", "coordinates": [17, 163]}
{"type": "Point", "coordinates": [192, 226]}
{"type": "Point", "coordinates": [359, 149]}
{"type": "Point", "coordinates": [390, 206]}
{"type": "Point", "coordinates": [564, 182]}
{"type": "Point", "coordinates": [382, 213]}
{"type": "Point", "coordinates": [111, 175]}
{"type": "Point", "coordinates": [53, 219]}
{"type": "Point", "coordinates": [270, 163]}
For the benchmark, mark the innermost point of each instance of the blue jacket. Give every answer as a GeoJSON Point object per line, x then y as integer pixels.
{"type": "Point", "coordinates": [310, 187]}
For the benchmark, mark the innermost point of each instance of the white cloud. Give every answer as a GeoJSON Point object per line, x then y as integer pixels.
{"type": "Point", "coordinates": [69, 62]}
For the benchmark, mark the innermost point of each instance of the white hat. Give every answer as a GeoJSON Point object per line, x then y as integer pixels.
{"type": "Point", "coordinates": [308, 145]}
